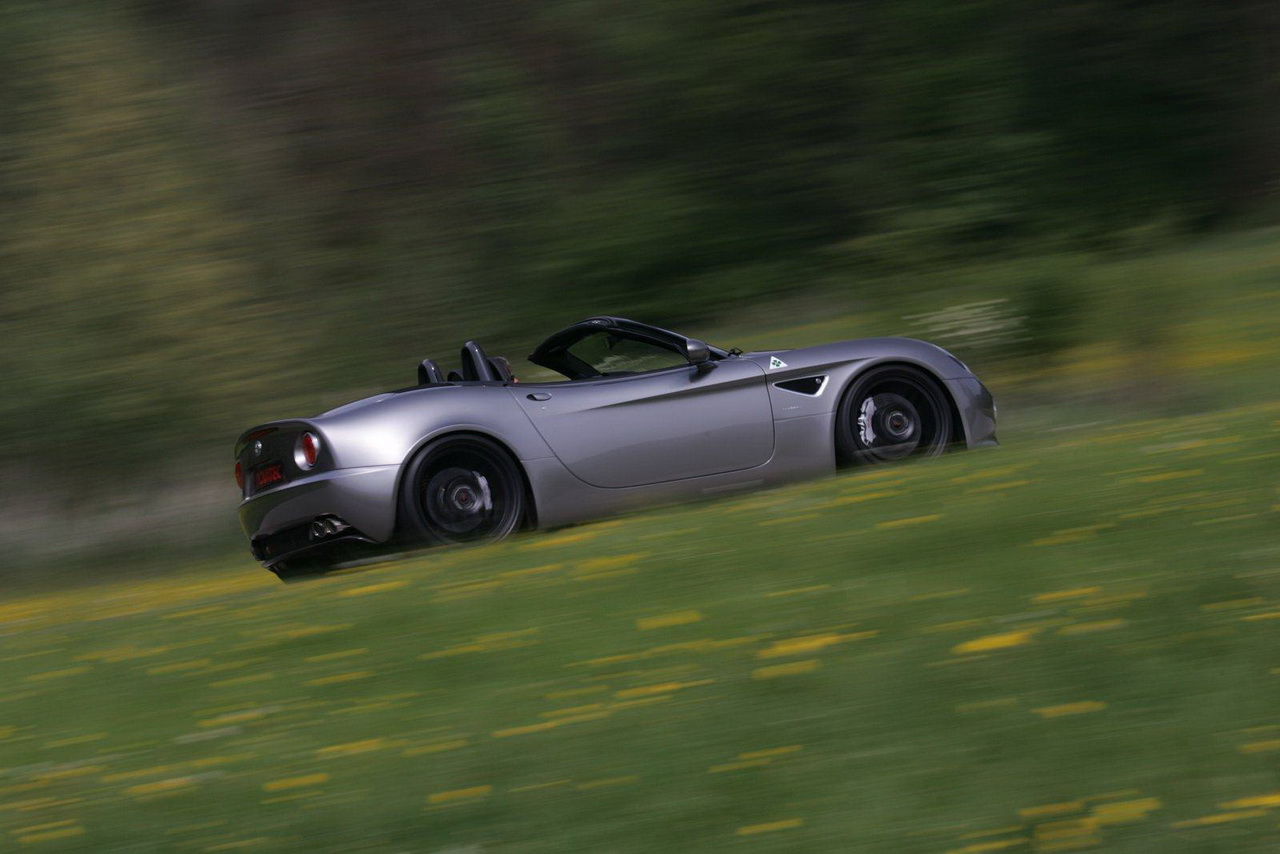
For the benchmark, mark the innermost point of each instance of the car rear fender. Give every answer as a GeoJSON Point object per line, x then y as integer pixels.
{"type": "Point", "coordinates": [391, 431]}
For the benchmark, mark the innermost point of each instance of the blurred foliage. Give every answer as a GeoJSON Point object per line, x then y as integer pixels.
{"type": "Point", "coordinates": [219, 212]}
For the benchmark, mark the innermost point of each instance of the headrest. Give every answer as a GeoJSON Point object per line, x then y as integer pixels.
{"type": "Point", "coordinates": [502, 368]}
{"type": "Point", "coordinates": [475, 365]}
{"type": "Point", "coordinates": [429, 372]}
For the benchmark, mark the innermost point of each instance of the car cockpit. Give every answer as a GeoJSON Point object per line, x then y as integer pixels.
{"type": "Point", "coordinates": [475, 367]}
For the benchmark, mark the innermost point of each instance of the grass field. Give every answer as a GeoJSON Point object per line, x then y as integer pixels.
{"type": "Point", "coordinates": [1072, 642]}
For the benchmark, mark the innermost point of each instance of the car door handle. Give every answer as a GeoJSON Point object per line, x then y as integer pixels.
{"type": "Point", "coordinates": [539, 395]}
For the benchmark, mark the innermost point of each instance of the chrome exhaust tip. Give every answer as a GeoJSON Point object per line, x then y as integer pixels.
{"type": "Point", "coordinates": [327, 526]}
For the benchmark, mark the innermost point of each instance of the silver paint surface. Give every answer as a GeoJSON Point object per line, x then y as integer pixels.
{"type": "Point", "coordinates": [596, 447]}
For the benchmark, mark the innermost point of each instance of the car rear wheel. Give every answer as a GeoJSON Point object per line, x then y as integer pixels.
{"type": "Point", "coordinates": [462, 489]}
{"type": "Point", "coordinates": [890, 414]}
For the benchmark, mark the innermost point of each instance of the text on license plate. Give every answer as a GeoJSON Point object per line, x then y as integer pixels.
{"type": "Point", "coordinates": [267, 475]}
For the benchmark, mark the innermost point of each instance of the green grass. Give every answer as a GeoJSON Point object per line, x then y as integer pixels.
{"type": "Point", "coordinates": [1068, 642]}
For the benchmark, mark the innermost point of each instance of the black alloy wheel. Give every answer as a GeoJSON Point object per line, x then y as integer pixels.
{"type": "Point", "coordinates": [890, 414]}
{"type": "Point", "coordinates": [462, 489]}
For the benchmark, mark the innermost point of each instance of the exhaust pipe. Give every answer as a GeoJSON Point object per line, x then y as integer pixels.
{"type": "Point", "coordinates": [327, 526]}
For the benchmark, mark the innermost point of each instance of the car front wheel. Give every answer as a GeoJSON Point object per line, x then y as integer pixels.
{"type": "Point", "coordinates": [891, 413]}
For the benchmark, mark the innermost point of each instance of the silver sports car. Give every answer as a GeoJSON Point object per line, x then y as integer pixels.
{"type": "Point", "coordinates": [643, 415]}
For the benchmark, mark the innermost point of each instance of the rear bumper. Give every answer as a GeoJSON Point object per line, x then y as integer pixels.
{"type": "Point", "coordinates": [364, 498]}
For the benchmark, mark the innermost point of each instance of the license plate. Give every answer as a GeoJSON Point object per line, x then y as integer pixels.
{"type": "Point", "coordinates": [267, 475]}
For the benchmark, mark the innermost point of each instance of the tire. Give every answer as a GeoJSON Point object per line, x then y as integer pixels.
{"type": "Point", "coordinates": [892, 413]}
{"type": "Point", "coordinates": [461, 489]}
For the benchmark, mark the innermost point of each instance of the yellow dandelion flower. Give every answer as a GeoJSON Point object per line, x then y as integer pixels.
{"type": "Point", "coordinates": [1169, 475]}
{"type": "Point", "coordinates": [995, 831]}
{"type": "Point", "coordinates": [340, 677]}
{"type": "Point", "coordinates": [1083, 707]}
{"type": "Point", "coordinates": [858, 499]}
{"type": "Point", "coordinates": [1219, 818]}
{"type": "Point", "coordinates": [998, 487]}
{"type": "Point", "coordinates": [572, 710]}
{"type": "Point", "coordinates": [610, 781]}
{"type": "Point", "coordinates": [575, 692]}
{"type": "Point", "coordinates": [295, 782]}
{"type": "Point", "coordinates": [798, 591]}
{"type": "Point", "coordinates": [353, 747]}
{"type": "Point", "coordinates": [243, 680]}
{"type": "Point", "coordinates": [769, 827]}
{"type": "Point", "coordinates": [1048, 810]}
{"type": "Point", "coordinates": [1074, 829]}
{"type": "Point", "coordinates": [58, 674]}
{"type": "Point", "coordinates": [1230, 604]}
{"type": "Point", "coordinates": [1122, 812]}
{"type": "Point", "coordinates": [342, 653]}
{"type": "Point", "coordinates": [532, 571]}
{"type": "Point", "coordinates": [374, 588]}
{"type": "Point", "coordinates": [161, 787]}
{"type": "Point", "coordinates": [438, 747]}
{"type": "Point", "coordinates": [663, 621]}
{"type": "Point", "coordinates": [914, 520]}
{"type": "Point", "coordinates": [772, 752]}
{"type": "Point", "coordinates": [663, 688]}
{"type": "Point", "coordinates": [308, 631]}
{"type": "Point", "coordinates": [810, 643]}
{"type": "Point", "coordinates": [525, 730]}
{"type": "Point", "coordinates": [234, 718]}
{"type": "Point", "coordinates": [69, 773]}
{"type": "Point", "coordinates": [791, 669]}
{"type": "Point", "coordinates": [534, 787]}
{"type": "Point", "coordinates": [737, 766]}
{"type": "Point", "coordinates": [994, 845]}
{"type": "Point", "coordinates": [991, 643]}
{"type": "Point", "coordinates": [1096, 626]}
{"type": "Point", "coordinates": [606, 563]}
{"type": "Point", "coordinates": [457, 795]}
{"type": "Point", "coordinates": [48, 832]}
{"type": "Point", "coordinates": [1060, 595]}
{"type": "Point", "coordinates": [1257, 801]}
{"type": "Point", "coordinates": [67, 742]}
{"type": "Point", "coordinates": [789, 520]}
{"type": "Point", "coordinates": [560, 540]}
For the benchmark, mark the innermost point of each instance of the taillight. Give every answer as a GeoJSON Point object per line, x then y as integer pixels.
{"type": "Point", "coordinates": [239, 475]}
{"type": "Point", "coordinates": [308, 451]}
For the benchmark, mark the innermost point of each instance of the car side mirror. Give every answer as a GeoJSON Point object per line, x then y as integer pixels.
{"type": "Point", "coordinates": [699, 354]}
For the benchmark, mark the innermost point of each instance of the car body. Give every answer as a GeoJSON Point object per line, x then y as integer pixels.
{"type": "Point", "coordinates": [643, 416]}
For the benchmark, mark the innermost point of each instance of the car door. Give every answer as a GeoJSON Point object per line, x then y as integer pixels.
{"type": "Point", "coordinates": [663, 425]}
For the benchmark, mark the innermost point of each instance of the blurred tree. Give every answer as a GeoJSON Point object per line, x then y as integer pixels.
{"type": "Point", "coordinates": [215, 211]}
{"type": "Point", "coordinates": [129, 328]}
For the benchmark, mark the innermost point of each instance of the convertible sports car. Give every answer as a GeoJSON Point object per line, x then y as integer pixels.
{"type": "Point", "coordinates": [643, 415]}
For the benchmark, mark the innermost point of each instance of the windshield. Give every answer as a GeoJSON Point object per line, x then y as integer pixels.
{"type": "Point", "coordinates": [610, 354]}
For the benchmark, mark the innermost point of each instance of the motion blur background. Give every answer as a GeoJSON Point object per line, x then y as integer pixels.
{"type": "Point", "coordinates": [219, 212]}
{"type": "Point", "coordinates": [216, 212]}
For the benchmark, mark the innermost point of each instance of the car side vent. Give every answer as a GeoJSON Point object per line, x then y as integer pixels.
{"type": "Point", "coordinates": [811, 386]}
